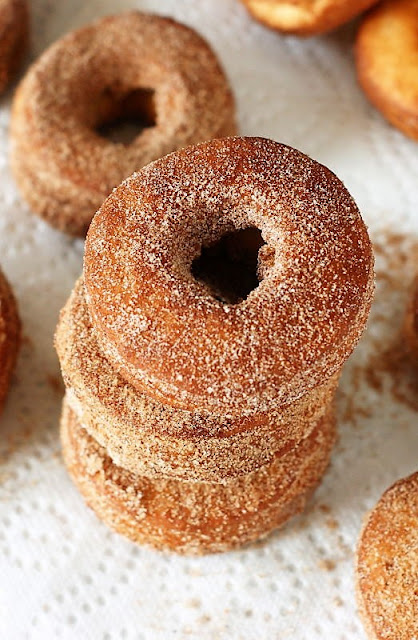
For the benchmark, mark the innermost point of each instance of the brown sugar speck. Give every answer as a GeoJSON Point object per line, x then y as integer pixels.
{"type": "Point", "coordinates": [27, 341]}
{"type": "Point", "coordinates": [326, 564]}
{"type": "Point", "coordinates": [332, 523]}
{"type": "Point", "coordinates": [55, 382]}
{"type": "Point", "coordinates": [325, 508]}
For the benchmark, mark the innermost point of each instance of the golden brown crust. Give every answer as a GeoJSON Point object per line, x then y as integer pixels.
{"type": "Point", "coordinates": [306, 17]}
{"type": "Point", "coordinates": [387, 62]}
{"type": "Point", "coordinates": [165, 331]}
{"type": "Point", "coordinates": [63, 166]}
{"type": "Point", "coordinates": [148, 438]}
{"type": "Point", "coordinates": [387, 564]}
{"type": "Point", "coordinates": [195, 518]}
{"type": "Point", "coordinates": [14, 36]}
{"type": "Point", "coordinates": [411, 322]}
{"type": "Point", "coordinates": [9, 336]}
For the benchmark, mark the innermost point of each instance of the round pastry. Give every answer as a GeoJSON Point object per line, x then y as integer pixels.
{"type": "Point", "coordinates": [14, 33]}
{"type": "Point", "coordinates": [9, 336]}
{"type": "Point", "coordinates": [191, 517]}
{"type": "Point", "coordinates": [387, 565]}
{"type": "Point", "coordinates": [150, 261]}
{"type": "Point", "coordinates": [411, 322]}
{"type": "Point", "coordinates": [138, 66]}
{"type": "Point", "coordinates": [387, 62]}
{"type": "Point", "coordinates": [306, 17]}
{"type": "Point", "coordinates": [148, 438]}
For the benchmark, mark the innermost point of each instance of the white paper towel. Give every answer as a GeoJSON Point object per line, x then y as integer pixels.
{"type": "Point", "coordinates": [63, 574]}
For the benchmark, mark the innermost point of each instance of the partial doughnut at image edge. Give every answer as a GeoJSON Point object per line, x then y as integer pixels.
{"type": "Point", "coordinates": [303, 18]}
{"type": "Point", "coordinates": [411, 322]}
{"type": "Point", "coordinates": [14, 38]}
{"type": "Point", "coordinates": [387, 564]}
{"type": "Point", "coordinates": [10, 336]}
{"type": "Point", "coordinates": [386, 53]}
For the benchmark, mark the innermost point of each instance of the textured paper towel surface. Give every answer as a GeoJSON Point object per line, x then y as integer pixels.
{"type": "Point", "coordinates": [63, 574]}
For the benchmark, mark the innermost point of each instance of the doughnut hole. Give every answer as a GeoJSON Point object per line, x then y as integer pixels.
{"type": "Point", "coordinates": [234, 265]}
{"type": "Point", "coordinates": [122, 118]}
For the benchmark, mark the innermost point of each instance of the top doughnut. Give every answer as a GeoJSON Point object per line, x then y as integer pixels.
{"type": "Point", "coordinates": [130, 65]}
{"type": "Point", "coordinates": [169, 334]}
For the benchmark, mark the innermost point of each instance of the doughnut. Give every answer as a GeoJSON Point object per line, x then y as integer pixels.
{"type": "Point", "coordinates": [149, 438]}
{"type": "Point", "coordinates": [387, 565]}
{"type": "Point", "coordinates": [14, 35]}
{"type": "Point", "coordinates": [132, 65]}
{"type": "Point", "coordinates": [306, 17]}
{"type": "Point", "coordinates": [170, 335]}
{"type": "Point", "coordinates": [387, 62]}
{"type": "Point", "coordinates": [9, 336]}
{"type": "Point", "coordinates": [411, 322]}
{"type": "Point", "coordinates": [193, 517]}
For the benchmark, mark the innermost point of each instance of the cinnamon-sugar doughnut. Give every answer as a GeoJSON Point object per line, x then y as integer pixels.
{"type": "Point", "coordinates": [387, 564]}
{"type": "Point", "coordinates": [306, 17]}
{"type": "Point", "coordinates": [14, 36]}
{"type": "Point", "coordinates": [166, 332]}
{"type": "Point", "coordinates": [387, 62]}
{"type": "Point", "coordinates": [190, 517]}
{"type": "Point", "coordinates": [148, 438]}
{"type": "Point", "coordinates": [9, 336]}
{"type": "Point", "coordinates": [131, 64]}
{"type": "Point", "coordinates": [411, 322]}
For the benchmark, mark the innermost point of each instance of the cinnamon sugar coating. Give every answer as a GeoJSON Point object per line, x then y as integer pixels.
{"type": "Point", "coordinates": [165, 331]}
{"type": "Point", "coordinates": [14, 36]}
{"type": "Point", "coordinates": [195, 518]}
{"type": "Point", "coordinates": [387, 62]}
{"type": "Point", "coordinates": [126, 64]}
{"type": "Point", "coordinates": [9, 336]}
{"type": "Point", "coordinates": [387, 564]}
{"type": "Point", "coordinates": [411, 322]}
{"type": "Point", "coordinates": [306, 17]}
{"type": "Point", "coordinates": [149, 438]}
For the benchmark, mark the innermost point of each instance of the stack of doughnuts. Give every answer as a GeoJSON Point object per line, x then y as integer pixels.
{"type": "Point", "coordinates": [199, 410]}
{"type": "Point", "coordinates": [133, 66]}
